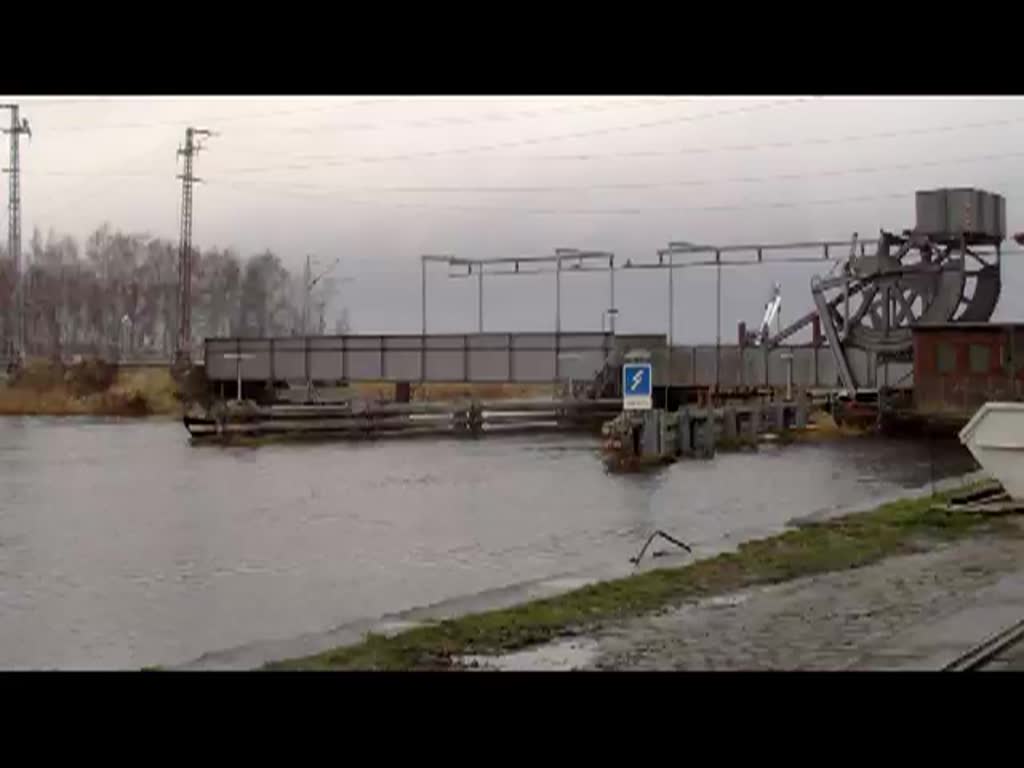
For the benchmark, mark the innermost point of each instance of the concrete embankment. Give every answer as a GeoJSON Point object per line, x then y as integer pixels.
{"type": "Point", "coordinates": [916, 526]}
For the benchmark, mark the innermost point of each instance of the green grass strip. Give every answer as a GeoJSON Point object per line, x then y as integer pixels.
{"type": "Point", "coordinates": [852, 541]}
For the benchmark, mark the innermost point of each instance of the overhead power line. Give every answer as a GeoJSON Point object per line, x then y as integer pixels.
{"type": "Point", "coordinates": [358, 126]}
{"type": "Point", "coordinates": [644, 185]}
{"type": "Point", "coordinates": [783, 144]}
{"type": "Point", "coordinates": [327, 160]}
{"type": "Point", "coordinates": [76, 101]}
{"type": "Point", "coordinates": [640, 210]}
{"type": "Point", "coordinates": [522, 114]}
{"type": "Point", "coordinates": [177, 121]}
{"type": "Point", "coordinates": [111, 176]}
{"type": "Point", "coordinates": [94, 174]}
{"type": "Point", "coordinates": [621, 186]}
{"type": "Point", "coordinates": [652, 153]}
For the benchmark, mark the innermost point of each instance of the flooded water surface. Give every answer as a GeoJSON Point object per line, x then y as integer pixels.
{"type": "Point", "coordinates": [122, 545]}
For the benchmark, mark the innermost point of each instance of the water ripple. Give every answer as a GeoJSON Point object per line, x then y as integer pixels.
{"type": "Point", "coordinates": [121, 545]}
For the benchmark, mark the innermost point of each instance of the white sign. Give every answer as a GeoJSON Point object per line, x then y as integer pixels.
{"type": "Point", "coordinates": [637, 387]}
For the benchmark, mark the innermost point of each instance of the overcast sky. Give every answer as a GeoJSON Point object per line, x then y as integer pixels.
{"type": "Point", "coordinates": [378, 181]}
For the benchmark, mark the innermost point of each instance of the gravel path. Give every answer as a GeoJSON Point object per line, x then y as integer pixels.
{"type": "Point", "coordinates": [842, 620]}
{"type": "Point", "coordinates": [831, 621]}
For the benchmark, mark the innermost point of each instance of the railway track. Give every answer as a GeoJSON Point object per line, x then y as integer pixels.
{"type": "Point", "coordinates": [985, 653]}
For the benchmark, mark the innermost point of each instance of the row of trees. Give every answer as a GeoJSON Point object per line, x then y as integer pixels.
{"type": "Point", "coordinates": [118, 295]}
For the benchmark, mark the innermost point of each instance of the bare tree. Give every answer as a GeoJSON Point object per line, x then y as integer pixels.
{"type": "Point", "coordinates": [76, 303]}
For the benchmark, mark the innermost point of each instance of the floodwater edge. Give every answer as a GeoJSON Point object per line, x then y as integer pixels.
{"type": "Point", "coordinates": [903, 526]}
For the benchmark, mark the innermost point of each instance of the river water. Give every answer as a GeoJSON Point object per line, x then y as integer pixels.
{"type": "Point", "coordinates": [122, 545]}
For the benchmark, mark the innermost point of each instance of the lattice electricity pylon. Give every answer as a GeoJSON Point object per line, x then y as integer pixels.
{"type": "Point", "coordinates": [18, 127]}
{"type": "Point", "coordinates": [183, 350]}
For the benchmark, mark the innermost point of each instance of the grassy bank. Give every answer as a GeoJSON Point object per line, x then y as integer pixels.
{"type": "Point", "coordinates": [849, 542]}
{"type": "Point", "coordinates": [88, 389]}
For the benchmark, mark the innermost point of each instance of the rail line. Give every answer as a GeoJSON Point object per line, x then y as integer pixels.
{"type": "Point", "coordinates": [984, 653]}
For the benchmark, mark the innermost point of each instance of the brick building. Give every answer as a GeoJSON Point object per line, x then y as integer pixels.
{"type": "Point", "coordinates": [960, 366]}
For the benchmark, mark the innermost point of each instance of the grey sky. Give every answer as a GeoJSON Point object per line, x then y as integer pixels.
{"type": "Point", "coordinates": [377, 181]}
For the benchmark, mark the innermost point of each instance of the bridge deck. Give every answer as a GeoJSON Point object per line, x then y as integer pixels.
{"type": "Point", "coordinates": [487, 357]}
{"type": "Point", "coordinates": [530, 358]}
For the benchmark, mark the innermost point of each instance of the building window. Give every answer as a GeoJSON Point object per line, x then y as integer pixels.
{"type": "Point", "coordinates": [980, 362]}
{"type": "Point", "coordinates": [1011, 353]}
{"type": "Point", "coordinates": [1015, 350]}
{"type": "Point", "coordinates": [945, 357]}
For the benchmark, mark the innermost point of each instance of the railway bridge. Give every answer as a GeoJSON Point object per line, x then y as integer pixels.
{"type": "Point", "coordinates": [237, 365]}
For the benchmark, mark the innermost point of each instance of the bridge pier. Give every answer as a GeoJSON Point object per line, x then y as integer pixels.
{"type": "Point", "coordinates": [647, 437]}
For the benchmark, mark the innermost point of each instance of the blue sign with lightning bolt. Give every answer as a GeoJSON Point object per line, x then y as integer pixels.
{"type": "Point", "coordinates": [636, 386]}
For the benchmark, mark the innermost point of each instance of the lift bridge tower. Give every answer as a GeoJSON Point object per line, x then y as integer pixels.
{"type": "Point", "coordinates": [944, 270]}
